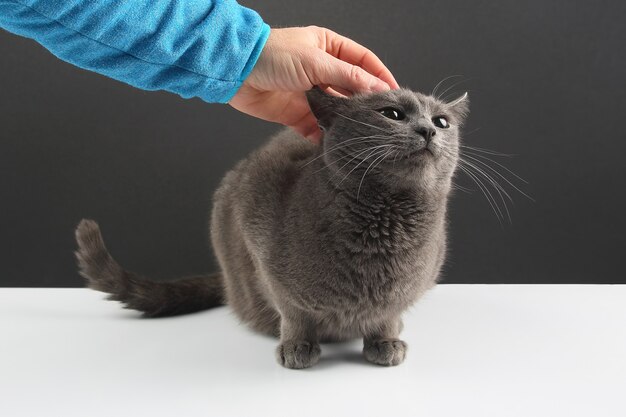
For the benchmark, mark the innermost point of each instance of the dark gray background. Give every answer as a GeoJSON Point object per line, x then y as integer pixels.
{"type": "Point", "coordinates": [546, 80]}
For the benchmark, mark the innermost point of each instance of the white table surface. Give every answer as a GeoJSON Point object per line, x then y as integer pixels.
{"type": "Point", "coordinates": [474, 350]}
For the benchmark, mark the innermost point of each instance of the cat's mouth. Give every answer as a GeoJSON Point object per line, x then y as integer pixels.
{"type": "Point", "coordinates": [420, 152]}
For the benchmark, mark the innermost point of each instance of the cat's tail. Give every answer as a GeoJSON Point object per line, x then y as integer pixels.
{"type": "Point", "coordinates": [153, 299]}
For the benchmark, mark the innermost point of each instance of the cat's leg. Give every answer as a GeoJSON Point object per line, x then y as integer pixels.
{"type": "Point", "coordinates": [299, 344]}
{"type": "Point", "coordinates": [382, 346]}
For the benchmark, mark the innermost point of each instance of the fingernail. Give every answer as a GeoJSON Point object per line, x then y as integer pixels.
{"type": "Point", "coordinates": [379, 85]}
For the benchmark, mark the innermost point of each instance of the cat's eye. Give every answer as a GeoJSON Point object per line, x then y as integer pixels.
{"type": "Point", "coordinates": [441, 122]}
{"type": "Point", "coordinates": [391, 113]}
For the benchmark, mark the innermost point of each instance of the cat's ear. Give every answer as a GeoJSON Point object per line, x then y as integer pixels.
{"type": "Point", "coordinates": [459, 108]}
{"type": "Point", "coordinates": [324, 106]}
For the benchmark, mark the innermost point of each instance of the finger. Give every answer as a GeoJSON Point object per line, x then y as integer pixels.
{"type": "Point", "coordinates": [326, 69]}
{"type": "Point", "coordinates": [315, 135]}
{"type": "Point", "coordinates": [349, 51]}
{"type": "Point", "coordinates": [300, 118]}
{"type": "Point", "coordinates": [308, 128]}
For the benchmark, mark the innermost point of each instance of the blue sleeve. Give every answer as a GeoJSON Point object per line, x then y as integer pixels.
{"type": "Point", "coordinates": [194, 48]}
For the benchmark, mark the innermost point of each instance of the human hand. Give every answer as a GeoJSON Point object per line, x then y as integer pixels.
{"type": "Point", "coordinates": [296, 59]}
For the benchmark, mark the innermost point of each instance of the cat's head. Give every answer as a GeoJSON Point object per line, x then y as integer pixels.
{"type": "Point", "coordinates": [398, 135]}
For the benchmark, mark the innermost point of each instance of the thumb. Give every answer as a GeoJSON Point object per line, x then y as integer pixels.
{"type": "Point", "coordinates": [332, 71]}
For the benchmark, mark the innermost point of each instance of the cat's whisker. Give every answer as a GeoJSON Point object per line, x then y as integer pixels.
{"type": "Point", "coordinates": [360, 122]}
{"type": "Point", "coordinates": [361, 153]}
{"type": "Point", "coordinates": [483, 189]}
{"type": "Point", "coordinates": [434, 92]}
{"type": "Point", "coordinates": [373, 153]}
{"type": "Point", "coordinates": [386, 154]}
{"type": "Point", "coordinates": [502, 176]}
{"type": "Point", "coordinates": [487, 176]}
{"type": "Point", "coordinates": [461, 188]}
{"type": "Point", "coordinates": [465, 167]}
{"type": "Point", "coordinates": [490, 180]}
{"type": "Point", "coordinates": [471, 132]}
{"type": "Point", "coordinates": [345, 143]}
{"type": "Point", "coordinates": [455, 94]}
{"type": "Point", "coordinates": [456, 84]}
{"type": "Point", "coordinates": [498, 188]}
{"type": "Point", "coordinates": [486, 151]}
{"type": "Point", "coordinates": [474, 157]}
{"type": "Point", "coordinates": [327, 165]}
{"type": "Point", "coordinates": [397, 153]}
{"type": "Point", "coordinates": [449, 153]}
{"type": "Point", "coordinates": [338, 148]}
{"type": "Point", "coordinates": [497, 163]}
{"type": "Point", "coordinates": [376, 152]}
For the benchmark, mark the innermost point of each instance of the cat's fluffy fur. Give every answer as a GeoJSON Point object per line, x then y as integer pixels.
{"type": "Point", "coordinates": [320, 243]}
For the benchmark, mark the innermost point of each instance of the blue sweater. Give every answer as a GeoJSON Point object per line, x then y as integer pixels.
{"type": "Point", "coordinates": [194, 48]}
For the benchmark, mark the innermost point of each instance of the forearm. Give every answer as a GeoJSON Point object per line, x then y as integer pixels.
{"type": "Point", "coordinates": [192, 48]}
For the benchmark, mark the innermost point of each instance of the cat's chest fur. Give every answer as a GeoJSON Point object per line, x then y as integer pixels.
{"type": "Point", "coordinates": [381, 251]}
{"type": "Point", "coordinates": [381, 226]}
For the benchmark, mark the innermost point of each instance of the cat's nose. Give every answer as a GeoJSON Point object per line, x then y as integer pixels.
{"type": "Point", "coordinates": [427, 132]}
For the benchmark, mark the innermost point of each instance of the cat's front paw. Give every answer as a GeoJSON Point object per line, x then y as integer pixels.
{"type": "Point", "coordinates": [387, 352]}
{"type": "Point", "coordinates": [298, 354]}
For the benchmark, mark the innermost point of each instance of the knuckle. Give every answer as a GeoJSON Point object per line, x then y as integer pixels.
{"type": "Point", "coordinates": [357, 74]}
{"type": "Point", "coordinates": [317, 35]}
{"type": "Point", "coordinates": [317, 31]}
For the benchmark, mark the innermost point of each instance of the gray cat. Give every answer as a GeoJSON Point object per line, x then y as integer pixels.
{"type": "Point", "coordinates": [320, 243]}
